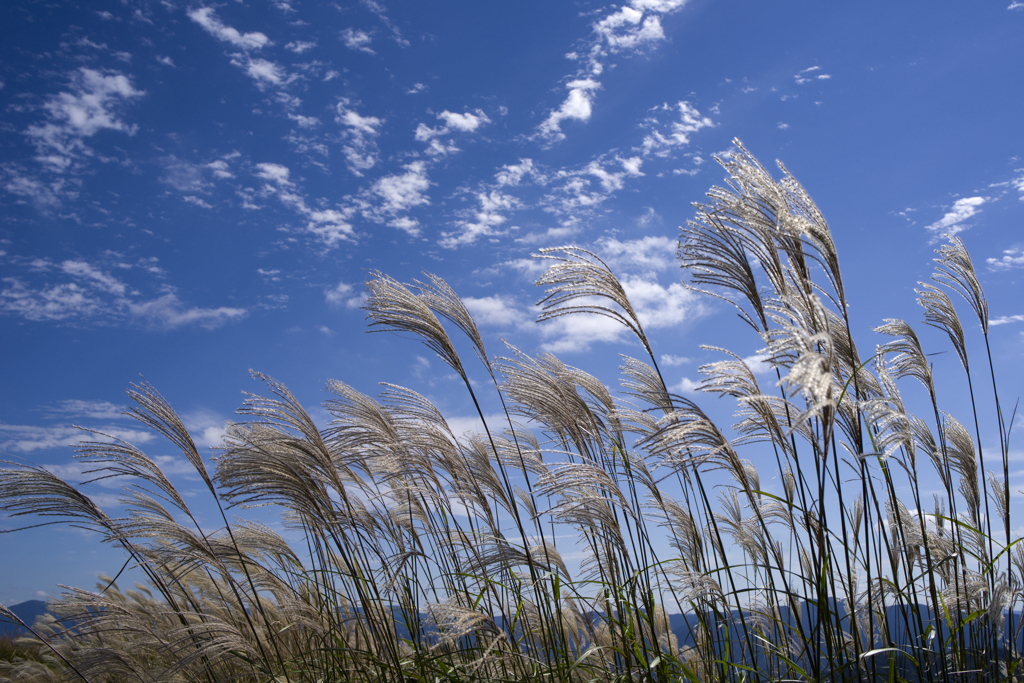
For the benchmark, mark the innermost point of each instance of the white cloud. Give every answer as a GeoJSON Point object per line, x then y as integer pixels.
{"type": "Point", "coordinates": [574, 333]}
{"type": "Point", "coordinates": [360, 131]}
{"type": "Point", "coordinates": [44, 195]}
{"type": "Point", "coordinates": [453, 122]}
{"type": "Point", "coordinates": [49, 302]}
{"type": "Point", "coordinates": [207, 18]}
{"type": "Point", "coordinates": [304, 121]}
{"type": "Point", "coordinates": [655, 305]}
{"type": "Point", "coordinates": [627, 29]}
{"type": "Point", "coordinates": [400, 192]}
{"type": "Point", "coordinates": [577, 106]}
{"type": "Point", "coordinates": [1006, 319]}
{"type": "Point", "coordinates": [196, 201]}
{"type": "Point", "coordinates": [165, 60]}
{"type": "Point", "coordinates": [1012, 258]}
{"type": "Point", "coordinates": [357, 40]}
{"type": "Point", "coordinates": [483, 221]}
{"type": "Point", "coordinates": [783, 126]}
{"type": "Point", "coordinates": [513, 174]}
{"type": "Point", "coordinates": [262, 71]}
{"type": "Point", "coordinates": [659, 306]}
{"type": "Point", "coordinates": [1018, 184]}
{"type": "Point", "coordinates": [660, 6]}
{"type": "Point", "coordinates": [1016, 5]}
{"type": "Point", "coordinates": [330, 225]}
{"type": "Point", "coordinates": [953, 221]}
{"type": "Point", "coordinates": [220, 169]}
{"type": "Point", "coordinates": [300, 46]}
{"type": "Point", "coordinates": [529, 268]}
{"type": "Point", "coordinates": [96, 410]}
{"type": "Point", "coordinates": [168, 312]}
{"type": "Point", "coordinates": [758, 364]}
{"type": "Point", "coordinates": [416, 88]}
{"type": "Point", "coordinates": [28, 438]}
{"type": "Point", "coordinates": [466, 123]}
{"type": "Point", "coordinates": [661, 142]}
{"type": "Point", "coordinates": [100, 280]}
{"type": "Point", "coordinates": [577, 191]}
{"type": "Point", "coordinates": [275, 173]}
{"type": "Point", "coordinates": [345, 295]}
{"type": "Point", "coordinates": [496, 311]}
{"type": "Point", "coordinates": [91, 106]}
{"type": "Point", "coordinates": [811, 74]}
{"type": "Point", "coordinates": [671, 361]}
{"type": "Point", "coordinates": [409, 225]}
{"type": "Point", "coordinates": [207, 429]}
{"type": "Point", "coordinates": [183, 175]}
{"type": "Point", "coordinates": [685, 386]}
{"type": "Point", "coordinates": [651, 253]}
{"type": "Point", "coordinates": [632, 28]}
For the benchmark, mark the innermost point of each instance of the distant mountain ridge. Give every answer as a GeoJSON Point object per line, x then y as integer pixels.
{"type": "Point", "coordinates": [27, 611]}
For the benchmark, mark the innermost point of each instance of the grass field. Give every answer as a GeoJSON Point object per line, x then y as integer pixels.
{"type": "Point", "coordinates": [434, 556]}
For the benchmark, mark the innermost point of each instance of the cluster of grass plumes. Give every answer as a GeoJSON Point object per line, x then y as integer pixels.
{"type": "Point", "coordinates": [433, 556]}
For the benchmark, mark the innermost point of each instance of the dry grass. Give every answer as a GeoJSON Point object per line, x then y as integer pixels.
{"type": "Point", "coordinates": [432, 556]}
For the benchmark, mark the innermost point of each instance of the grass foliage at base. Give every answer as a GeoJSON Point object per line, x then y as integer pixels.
{"type": "Point", "coordinates": [432, 556]}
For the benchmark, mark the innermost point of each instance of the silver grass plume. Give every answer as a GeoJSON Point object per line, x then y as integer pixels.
{"type": "Point", "coordinates": [443, 300]}
{"type": "Point", "coordinates": [909, 360]}
{"type": "Point", "coordinates": [581, 276]}
{"type": "Point", "coordinates": [393, 307]}
{"type": "Point", "coordinates": [804, 344]}
{"type": "Point", "coordinates": [940, 314]}
{"type": "Point", "coordinates": [956, 271]}
{"type": "Point", "coordinates": [963, 459]}
{"type": "Point", "coordinates": [641, 381]}
{"type": "Point", "coordinates": [156, 413]}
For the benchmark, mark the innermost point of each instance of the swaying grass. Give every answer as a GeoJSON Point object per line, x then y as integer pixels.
{"type": "Point", "coordinates": [432, 556]}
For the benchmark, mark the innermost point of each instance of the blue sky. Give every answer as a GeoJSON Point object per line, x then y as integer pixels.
{"type": "Point", "coordinates": [190, 191]}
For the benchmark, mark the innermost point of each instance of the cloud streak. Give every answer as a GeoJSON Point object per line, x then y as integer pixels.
{"type": "Point", "coordinates": [955, 219]}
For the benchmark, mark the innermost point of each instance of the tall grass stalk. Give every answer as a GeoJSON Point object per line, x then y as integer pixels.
{"type": "Point", "coordinates": [428, 555]}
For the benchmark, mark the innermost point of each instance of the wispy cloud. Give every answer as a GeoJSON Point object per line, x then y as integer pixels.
{"type": "Point", "coordinates": [656, 305]}
{"type": "Point", "coordinates": [90, 294]}
{"type": "Point", "coordinates": [360, 148]}
{"type": "Point", "coordinates": [345, 295]}
{"type": "Point", "coordinates": [300, 46]}
{"type": "Point", "coordinates": [329, 224]}
{"type": "Point", "coordinates": [629, 29]}
{"type": "Point", "coordinates": [646, 254]}
{"type": "Point", "coordinates": [577, 106]}
{"type": "Point", "coordinates": [1011, 258]}
{"type": "Point", "coordinates": [1006, 319]}
{"type": "Point", "coordinates": [168, 312]}
{"type": "Point", "coordinates": [207, 18]}
{"type": "Point", "coordinates": [626, 30]}
{"type": "Point", "coordinates": [810, 74]}
{"type": "Point", "coordinates": [483, 221]}
{"type": "Point", "coordinates": [453, 122]}
{"type": "Point", "coordinates": [263, 72]}
{"type": "Point", "coordinates": [575, 189]}
{"type": "Point", "coordinates": [96, 410]}
{"type": "Point", "coordinates": [92, 103]}
{"type": "Point", "coordinates": [394, 195]}
{"type": "Point", "coordinates": [955, 220]}
{"type": "Point", "coordinates": [513, 174]}
{"type": "Point", "coordinates": [496, 311]}
{"type": "Point", "coordinates": [663, 139]}
{"type": "Point", "coordinates": [28, 438]}
{"type": "Point", "coordinates": [357, 40]}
